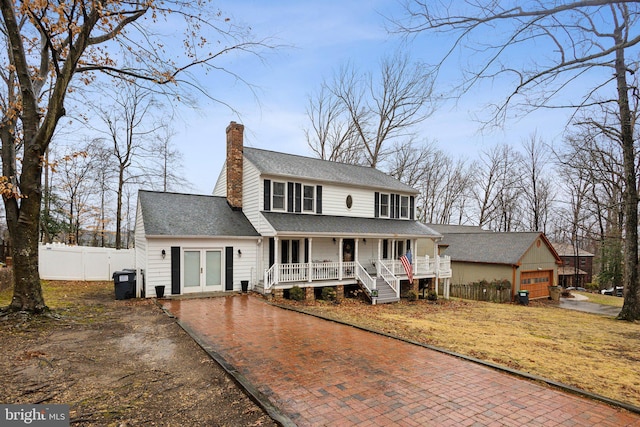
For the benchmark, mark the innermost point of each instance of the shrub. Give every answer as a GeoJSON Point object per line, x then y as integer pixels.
{"type": "Point", "coordinates": [432, 296]}
{"type": "Point", "coordinates": [412, 295]}
{"type": "Point", "coordinates": [328, 293]}
{"type": "Point", "coordinates": [296, 293]}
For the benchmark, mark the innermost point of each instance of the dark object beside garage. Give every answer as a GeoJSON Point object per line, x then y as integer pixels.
{"type": "Point", "coordinates": [124, 283]}
{"type": "Point", "coordinates": [523, 297]}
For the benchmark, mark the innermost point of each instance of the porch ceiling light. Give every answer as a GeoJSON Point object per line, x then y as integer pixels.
{"type": "Point", "coordinates": [164, 253]}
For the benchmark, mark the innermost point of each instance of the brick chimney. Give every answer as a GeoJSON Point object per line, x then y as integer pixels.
{"type": "Point", "coordinates": [234, 164]}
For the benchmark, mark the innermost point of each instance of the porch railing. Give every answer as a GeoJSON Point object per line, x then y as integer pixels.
{"type": "Point", "coordinates": [308, 272]}
{"type": "Point", "coordinates": [334, 270]}
{"type": "Point", "coordinates": [444, 266]}
{"type": "Point", "coordinates": [425, 265]}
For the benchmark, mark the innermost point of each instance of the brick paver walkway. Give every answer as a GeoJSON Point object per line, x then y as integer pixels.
{"type": "Point", "coordinates": [321, 373]}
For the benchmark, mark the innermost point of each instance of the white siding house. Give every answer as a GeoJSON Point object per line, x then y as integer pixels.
{"type": "Point", "coordinates": [299, 221]}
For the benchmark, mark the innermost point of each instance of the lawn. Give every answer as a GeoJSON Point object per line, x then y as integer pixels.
{"type": "Point", "coordinates": [592, 352]}
{"type": "Point", "coordinates": [602, 299]}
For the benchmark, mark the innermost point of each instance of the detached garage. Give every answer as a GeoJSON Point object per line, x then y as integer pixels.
{"type": "Point", "coordinates": [527, 260]}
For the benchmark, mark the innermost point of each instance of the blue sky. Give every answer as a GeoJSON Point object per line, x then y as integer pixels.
{"type": "Point", "coordinates": [317, 38]}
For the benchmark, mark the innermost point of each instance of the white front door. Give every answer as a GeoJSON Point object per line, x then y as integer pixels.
{"type": "Point", "coordinates": [202, 271]}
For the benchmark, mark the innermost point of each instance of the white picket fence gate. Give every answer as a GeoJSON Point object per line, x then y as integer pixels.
{"type": "Point", "coordinates": [62, 262]}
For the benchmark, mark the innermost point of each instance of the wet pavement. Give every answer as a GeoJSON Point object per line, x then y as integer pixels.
{"type": "Point", "coordinates": [322, 373]}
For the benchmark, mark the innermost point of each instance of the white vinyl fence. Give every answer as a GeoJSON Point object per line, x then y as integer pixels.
{"type": "Point", "coordinates": [61, 262]}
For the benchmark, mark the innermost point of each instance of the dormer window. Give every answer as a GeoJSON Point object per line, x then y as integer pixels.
{"type": "Point", "coordinates": [278, 195]}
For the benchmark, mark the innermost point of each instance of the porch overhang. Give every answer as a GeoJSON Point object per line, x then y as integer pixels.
{"type": "Point", "coordinates": [292, 224]}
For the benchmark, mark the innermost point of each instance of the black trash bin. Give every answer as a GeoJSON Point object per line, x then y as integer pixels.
{"type": "Point", "coordinates": [160, 291]}
{"type": "Point", "coordinates": [245, 285]}
{"type": "Point", "coordinates": [523, 297]}
{"type": "Point", "coordinates": [124, 283]}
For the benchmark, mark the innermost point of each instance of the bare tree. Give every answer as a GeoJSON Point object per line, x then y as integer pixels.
{"type": "Point", "coordinates": [331, 135]}
{"type": "Point", "coordinates": [166, 162]}
{"type": "Point", "coordinates": [130, 126]}
{"type": "Point", "coordinates": [444, 183]}
{"type": "Point", "coordinates": [497, 185]}
{"type": "Point", "coordinates": [537, 188]}
{"type": "Point", "coordinates": [75, 188]}
{"type": "Point", "coordinates": [52, 45]}
{"type": "Point", "coordinates": [576, 42]}
{"type": "Point", "coordinates": [368, 112]}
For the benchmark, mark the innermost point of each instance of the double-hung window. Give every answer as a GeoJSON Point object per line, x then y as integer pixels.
{"type": "Point", "coordinates": [404, 207]}
{"type": "Point", "coordinates": [279, 189]}
{"type": "Point", "coordinates": [307, 204]}
{"type": "Point", "coordinates": [384, 205]}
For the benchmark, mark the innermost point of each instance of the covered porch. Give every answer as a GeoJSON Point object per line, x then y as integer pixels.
{"type": "Point", "coordinates": [315, 258]}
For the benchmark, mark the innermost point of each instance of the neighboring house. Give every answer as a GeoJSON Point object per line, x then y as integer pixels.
{"type": "Point", "coordinates": [279, 220]}
{"type": "Point", "coordinates": [527, 260]}
{"type": "Point", "coordinates": [577, 266]}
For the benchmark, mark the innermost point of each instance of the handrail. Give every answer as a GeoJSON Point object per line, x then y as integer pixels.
{"type": "Point", "coordinates": [390, 278]}
{"type": "Point", "coordinates": [269, 277]}
{"type": "Point", "coordinates": [367, 281]}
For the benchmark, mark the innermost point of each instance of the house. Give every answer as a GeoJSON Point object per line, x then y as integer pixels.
{"type": "Point", "coordinates": [577, 265]}
{"type": "Point", "coordinates": [278, 220]}
{"type": "Point", "coordinates": [527, 260]}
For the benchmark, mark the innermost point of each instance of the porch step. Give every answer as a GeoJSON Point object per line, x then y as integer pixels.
{"type": "Point", "coordinates": [385, 293]}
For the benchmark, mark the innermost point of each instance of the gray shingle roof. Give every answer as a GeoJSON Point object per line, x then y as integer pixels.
{"type": "Point", "coordinates": [491, 248]}
{"type": "Point", "coordinates": [339, 225]}
{"type": "Point", "coordinates": [172, 214]}
{"type": "Point", "coordinates": [290, 165]}
{"type": "Point", "coordinates": [450, 229]}
{"type": "Point", "coordinates": [565, 249]}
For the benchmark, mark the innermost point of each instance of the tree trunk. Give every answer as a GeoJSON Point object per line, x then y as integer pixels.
{"type": "Point", "coordinates": [23, 217]}
{"type": "Point", "coordinates": [27, 292]}
{"type": "Point", "coordinates": [631, 307]}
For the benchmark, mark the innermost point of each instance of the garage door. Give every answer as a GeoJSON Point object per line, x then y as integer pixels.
{"type": "Point", "coordinates": [536, 282]}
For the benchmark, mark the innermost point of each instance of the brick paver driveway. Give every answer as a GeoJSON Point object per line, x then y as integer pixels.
{"type": "Point", "coordinates": [321, 373]}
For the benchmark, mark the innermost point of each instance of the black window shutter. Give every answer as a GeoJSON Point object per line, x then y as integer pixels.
{"type": "Point", "coordinates": [408, 245]}
{"type": "Point", "coordinates": [376, 204]}
{"type": "Point", "coordinates": [175, 270]}
{"type": "Point", "coordinates": [397, 206]}
{"type": "Point", "coordinates": [392, 208]}
{"type": "Point", "coordinates": [412, 202]}
{"type": "Point", "coordinates": [385, 249]}
{"type": "Point", "coordinates": [306, 250]}
{"type": "Point", "coordinates": [272, 254]}
{"type": "Point", "coordinates": [289, 196]}
{"type": "Point", "coordinates": [319, 199]}
{"type": "Point", "coordinates": [228, 277]}
{"type": "Point", "coordinates": [267, 194]}
{"type": "Point", "coordinates": [298, 197]}
{"type": "Point", "coordinates": [295, 251]}
{"type": "Point", "coordinates": [284, 252]}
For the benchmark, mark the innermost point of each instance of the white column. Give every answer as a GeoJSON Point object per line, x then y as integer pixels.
{"type": "Point", "coordinates": [355, 253]}
{"type": "Point", "coordinates": [379, 257]}
{"type": "Point", "coordinates": [340, 255]}
{"type": "Point", "coordinates": [276, 258]}
{"type": "Point", "coordinates": [310, 259]}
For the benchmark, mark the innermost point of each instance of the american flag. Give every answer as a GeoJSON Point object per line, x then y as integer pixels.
{"type": "Point", "coordinates": [407, 267]}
